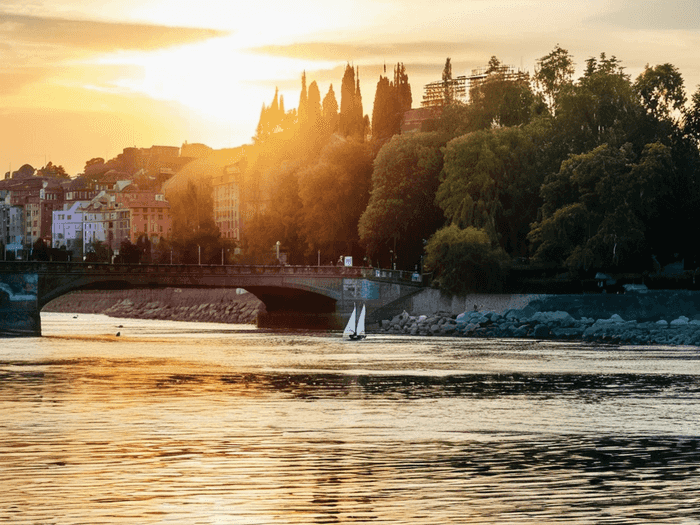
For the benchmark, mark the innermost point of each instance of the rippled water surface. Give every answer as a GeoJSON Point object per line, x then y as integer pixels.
{"type": "Point", "coordinates": [215, 424]}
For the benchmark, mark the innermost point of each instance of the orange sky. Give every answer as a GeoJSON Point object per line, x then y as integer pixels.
{"type": "Point", "coordinates": [82, 79]}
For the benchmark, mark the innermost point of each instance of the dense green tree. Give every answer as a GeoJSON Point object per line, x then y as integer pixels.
{"type": "Point", "coordinates": [661, 90]}
{"type": "Point", "coordinates": [491, 181]}
{"type": "Point", "coordinates": [553, 73]}
{"type": "Point", "coordinates": [630, 187]}
{"type": "Point", "coordinates": [401, 212]}
{"type": "Point", "coordinates": [334, 192]}
{"type": "Point", "coordinates": [609, 208]}
{"type": "Point", "coordinates": [465, 260]}
{"type": "Point", "coordinates": [600, 108]}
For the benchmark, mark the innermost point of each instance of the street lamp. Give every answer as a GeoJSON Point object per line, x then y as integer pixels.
{"type": "Point", "coordinates": [277, 245]}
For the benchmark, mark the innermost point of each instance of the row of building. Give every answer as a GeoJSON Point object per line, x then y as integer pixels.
{"type": "Point", "coordinates": [77, 214]}
{"type": "Point", "coordinates": [122, 199]}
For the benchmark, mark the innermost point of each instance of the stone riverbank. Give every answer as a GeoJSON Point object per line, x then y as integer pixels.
{"type": "Point", "coordinates": [637, 318]}
{"type": "Point", "coordinates": [213, 306]}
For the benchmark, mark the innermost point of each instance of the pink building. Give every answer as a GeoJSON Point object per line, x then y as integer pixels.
{"type": "Point", "coordinates": [150, 213]}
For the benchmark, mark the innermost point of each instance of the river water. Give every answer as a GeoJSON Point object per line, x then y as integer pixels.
{"type": "Point", "coordinates": [195, 423]}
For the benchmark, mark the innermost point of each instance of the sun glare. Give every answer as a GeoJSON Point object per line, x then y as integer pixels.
{"type": "Point", "coordinates": [216, 79]}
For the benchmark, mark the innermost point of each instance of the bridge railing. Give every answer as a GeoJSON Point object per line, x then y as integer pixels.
{"type": "Point", "coordinates": [237, 269]}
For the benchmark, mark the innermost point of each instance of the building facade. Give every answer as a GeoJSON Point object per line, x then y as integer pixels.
{"type": "Point", "coordinates": [11, 228]}
{"type": "Point", "coordinates": [105, 222]}
{"type": "Point", "coordinates": [149, 213]}
{"type": "Point", "coordinates": [67, 229]}
{"type": "Point", "coordinates": [227, 193]}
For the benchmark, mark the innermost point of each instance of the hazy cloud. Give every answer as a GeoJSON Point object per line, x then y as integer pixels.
{"type": "Point", "coordinates": [655, 15]}
{"type": "Point", "coordinates": [97, 36]}
{"type": "Point", "coordinates": [12, 81]}
{"type": "Point", "coordinates": [333, 51]}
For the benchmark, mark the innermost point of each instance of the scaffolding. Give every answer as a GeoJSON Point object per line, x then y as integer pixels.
{"type": "Point", "coordinates": [434, 92]}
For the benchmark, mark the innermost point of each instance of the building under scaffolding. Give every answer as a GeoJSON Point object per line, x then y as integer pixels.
{"type": "Point", "coordinates": [458, 88]}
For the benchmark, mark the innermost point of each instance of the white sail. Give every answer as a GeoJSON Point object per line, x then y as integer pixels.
{"type": "Point", "coordinates": [361, 323]}
{"type": "Point", "coordinates": [350, 327]}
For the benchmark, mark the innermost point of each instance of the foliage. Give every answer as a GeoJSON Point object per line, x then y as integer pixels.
{"type": "Point", "coordinates": [391, 101]}
{"type": "Point", "coordinates": [554, 72]}
{"type": "Point", "coordinates": [280, 222]}
{"type": "Point", "coordinates": [97, 252]}
{"type": "Point", "coordinates": [660, 89]}
{"type": "Point", "coordinates": [401, 211]}
{"type": "Point", "coordinates": [195, 233]}
{"type": "Point", "coordinates": [128, 253]}
{"type": "Point", "coordinates": [607, 208]}
{"type": "Point", "coordinates": [448, 87]}
{"type": "Point", "coordinates": [40, 251]}
{"type": "Point", "coordinates": [330, 112]}
{"type": "Point", "coordinates": [50, 170]}
{"type": "Point", "coordinates": [351, 121]}
{"type": "Point", "coordinates": [503, 98]}
{"type": "Point", "coordinates": [334, 192]}
{"type": "Point", "coordinates": [464, 261]}
{"type": "Point", "coordinates": [600, 108]}
{"type": "Point", "coordinates": [491, 181]}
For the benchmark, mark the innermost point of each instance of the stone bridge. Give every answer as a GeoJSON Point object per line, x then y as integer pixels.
{"type": "Point", "coordinates": [294, 296]}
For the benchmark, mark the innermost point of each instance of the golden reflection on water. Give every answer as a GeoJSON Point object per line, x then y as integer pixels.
{"type": "Point", "coordinates": [237, 426]}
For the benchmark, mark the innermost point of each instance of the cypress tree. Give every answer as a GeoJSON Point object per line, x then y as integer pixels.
{"type": "Point", "coordinates": [347, 101]}
{"type": "Point", "coordinates": [330, 112]}
{"type": "Point", "coordinates": [303, 111]}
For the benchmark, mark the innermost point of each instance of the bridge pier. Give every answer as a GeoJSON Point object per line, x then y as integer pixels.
{"type": "Point", "coordinates": [19, 306]}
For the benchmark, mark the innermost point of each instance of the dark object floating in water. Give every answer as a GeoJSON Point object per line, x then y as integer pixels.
{"type": "Point", "coordinates": [118, 334]}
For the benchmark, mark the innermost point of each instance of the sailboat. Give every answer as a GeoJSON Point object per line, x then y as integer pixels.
{"type": "Point", "coordinates": [356, 331]}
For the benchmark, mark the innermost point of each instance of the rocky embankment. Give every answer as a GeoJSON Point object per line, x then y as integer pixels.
{"type": "Point", "coordinates": [214, 306]}
{"type": "Point", "coordinates": [659, 321]}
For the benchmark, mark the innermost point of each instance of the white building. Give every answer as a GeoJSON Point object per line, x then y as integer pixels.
{"type": "Point", "coordinates": [67, 228]}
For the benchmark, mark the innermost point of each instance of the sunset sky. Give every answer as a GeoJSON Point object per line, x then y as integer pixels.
{"type": "Point", "coordinates": [87, 78]}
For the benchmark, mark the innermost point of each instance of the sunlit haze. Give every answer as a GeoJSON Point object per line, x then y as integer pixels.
{"type": "Point", "coordinates": [84, 79]}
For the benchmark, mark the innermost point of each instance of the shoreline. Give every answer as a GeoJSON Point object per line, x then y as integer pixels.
{"type": "Point", "coordinates": [664, 317]}
{"type": "Point", "coordinates": [640, 318]}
